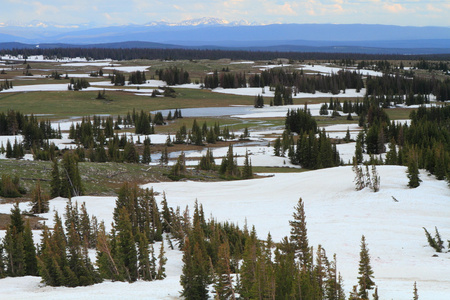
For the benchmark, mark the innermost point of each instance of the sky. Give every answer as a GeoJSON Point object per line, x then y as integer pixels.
{"type": "Point", "coordinates": [119, 12]}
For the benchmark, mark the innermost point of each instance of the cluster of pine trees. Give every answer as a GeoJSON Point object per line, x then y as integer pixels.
{"type": "Point", "coordinates": [366, 179]}
{"type": "Point", "coordinates": [282, 96]}
{"type": "Point", "coordinates": [428, 65]}
{"type": "Point", "coordinates": [214, 252]}
{"type": "Point", "coordinates": [127, 253]}
{"type": "Point", "coordinates": [117, 78]}
{"type": "Point", "coordinates": [313, 148]}
{"type": "Point", "coordinates": [173, 75]}
{"type": "Point", "coordinates": [259, 101]}
{"type": "Point", "coordinates": [295, 80]}
{"type": "Point", "coordinates": [65, 177]}
{"type": "Point", "coordinates": [218, 255]}
{"type": "Point", "coordinates": [17, 250]}
{"type": "Point", "coordinates": [229, 167]}
{"type": "Point", "coordinates": [225, 79]}
{"type": "Point", "coordinates": [137, 77]}
{"type": "Point", "coordinates": [305, 83]}
{"type": "Point", "coordinates": [422, 145]}
{"type": "Point", "coordinates": [399, 85]}
{"type": "Point", "coordinates": [14, 122]}
{"type": "Point", "coordinates": [6, 85]}
{"type": "Point", "coordinates": [198, 135]}
{"type": "Point", "coordinates": [16, 150]}
{"type": "Point", "coordinates": [78, 85]}
{"type": "Point", "coordinates": [61, 259]}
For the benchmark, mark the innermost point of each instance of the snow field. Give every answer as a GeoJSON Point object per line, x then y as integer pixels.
{"type": "Point", "coordinates": [337, 216]}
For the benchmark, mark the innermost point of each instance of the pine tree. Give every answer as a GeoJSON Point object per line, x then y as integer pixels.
{"type": "Point", "coordinates": [29, 249]}
{"type": "Point", "coordinates": [413, 171]}
{"type": "Point", "coordinates": [146, 156]}
{"type": "Point", "coordinates": [196, 270]}
{"type": "Point", "coordinates": [39, 201]}
{"type": "Point", "coordinates": [161, 272]}
{"type": "Point", "coordinates": [391, 155]}
{"type": "Point", "coordinates": [71, 185]}
{"type": "Point", "coordinates": [127, 253]}
{"type": "Point", "coordinates": [299, 236]}
{"type": "Point", "coordinates": [415, 292]}
{"type": "Point", "coordinates": [14, 244]}
{"type": "Point", "coordinates": [359, 176]}
{"type": "Point", "coordinates": [224, 282]}
{"type": "Point", "coordinates": [375, 180]}
{"type": "Point", "coordinates": [144, 264]}
{"type": "Point", "coordinates": [106, 252]}
{"type": "Point", "coordinates": [359, 148]}
{"type": "Point", "coordinates": [365, 278]}
{"type": "Point", "coordinates": [247, 172]}
{"type": "Point", "coordinates": [164, 157]}
{"type": "Point", "coordinates": [375, 294]}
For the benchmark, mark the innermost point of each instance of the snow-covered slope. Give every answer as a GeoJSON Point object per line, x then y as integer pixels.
{"type": "Point", "coordinates": [337, 216]}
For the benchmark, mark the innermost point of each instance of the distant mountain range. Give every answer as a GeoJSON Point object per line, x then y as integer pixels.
{"type": "Point", "coordinates": [212, 33]}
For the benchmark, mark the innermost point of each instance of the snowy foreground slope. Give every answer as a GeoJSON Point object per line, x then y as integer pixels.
{"type": "Point", "coordinates": [337, 216]}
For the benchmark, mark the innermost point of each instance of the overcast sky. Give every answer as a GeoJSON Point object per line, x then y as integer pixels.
{"type": "Point", "coordinates": [119, 12]}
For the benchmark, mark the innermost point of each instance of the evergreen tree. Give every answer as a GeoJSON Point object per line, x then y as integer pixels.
{"type": "Point", "coordinates": [299, 236]}
{"type": "Point", "coordinates": [196, 269]}
{"type": "Point", "coordinates": [247, 172]}
{"type": "Point", "coordinates": [29, 249]}
{"type": "Point", "coordinates": [415, 292]}
{"type": "Point", "coordinates": [161, 272]}
{"type": "Point", "coordinates": [207, 161]}
{"type": "Point", "coordinates": [359, 148]}
{"type": "Point", "coordinates": [55, 183]}
{"type": "Point", "coordinates": [375, 179]}
{"type": "Point", "coordinates": [39, 200]}
{"type": "Point", "coordinates": [146, 156]}
{"type": "Point", "coordinates": [71, 185]}
{"type": "Point", "coordinates": [391, 155]}
{"type": "Point", "coordinates": [413, 171]}
{"type": "Point", "coordinates": [224, 282]}
{"type": "Point", "coordinates": [144, 263]}
{"type": "Point", "coordinates": [228, 167]}
{"type": "Point", "coordinates": [126, 248]}
{"type": "Point", "coordinates": [365, 278]}
{"type": "Point", "coordinates": [14, 244]}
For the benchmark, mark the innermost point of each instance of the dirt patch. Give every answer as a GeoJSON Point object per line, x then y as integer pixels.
{"type": "Point", "coordinates": [35, 223]}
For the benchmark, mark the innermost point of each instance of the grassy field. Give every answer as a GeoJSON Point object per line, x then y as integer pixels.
{"type": "Point", "coordinates": [82, 103]}
{"type": "Point", "coordinates": [97, 178]}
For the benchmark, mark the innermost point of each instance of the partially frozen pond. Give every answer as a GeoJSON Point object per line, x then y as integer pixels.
{"type": "Point", "coordinates": [211, 111]}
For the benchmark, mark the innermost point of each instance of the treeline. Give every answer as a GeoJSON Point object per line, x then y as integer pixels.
{"type": "Point", "coordinates": [424, 144]}
{"type": "Point", "coordinates": [428, 65]}
{"type": "Point", "coordinates": [390, 86]}
{"type": "Point", "coordinates": [96, 137]}
{"type": "Point", "coordinates": [226, 80]}
{"type": "Point", "coordinates": [304, 83]}
{"type": "Point", "coordinates": [296, 80]}
{"type": "Point", "coordinates": [176, 54]}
